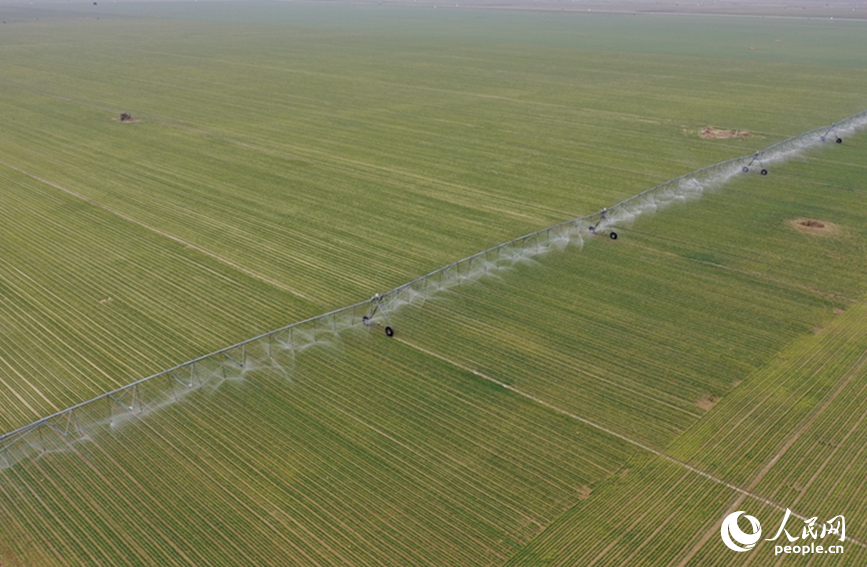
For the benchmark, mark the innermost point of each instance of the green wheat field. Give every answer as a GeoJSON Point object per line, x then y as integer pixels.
{"type": "Point", "coordinates": [601, 405]}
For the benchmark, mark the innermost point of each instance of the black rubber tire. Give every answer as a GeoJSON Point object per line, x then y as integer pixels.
{"type": "Point", "coordinates": [746, 169]}
{"type": "Point", "coordinates": [839, 140]}
{"type": "Point", "coordinates": [764, 172]}
{"type": "Point", "coordinates": [389, 332]}
{"type": "Point", "coordinates": [592, 230]}
{"type": "Point", "coordinates": [366, 321]}
{"type": "Point", "coordinates": [822, 138]}
{"type": "Point", "coordinates": [612, 235]}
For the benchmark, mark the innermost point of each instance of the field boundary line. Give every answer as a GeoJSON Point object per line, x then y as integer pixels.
{"type": "Point", "coordinates": [162, 233]}
{"type": "Point", "coordinates": [232, 360]}
{"type": "Point", "coordinates": [752, 274]}
{"type": "Point", "coordinates": [742, 491]}
{"type": "Point", "coordinates": [792, 439]}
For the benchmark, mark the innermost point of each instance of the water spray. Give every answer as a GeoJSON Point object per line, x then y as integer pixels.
{"type": "Point", "coordinates": [234, 363]}
{"type": "Point", "coordinates": [593, 229]}
{"type": "Point", "coordinates": [832, 134]}
{"type": "Point", "coordinates": [756, 159]}
{"type": "Point", "coordinates": [367, 320]}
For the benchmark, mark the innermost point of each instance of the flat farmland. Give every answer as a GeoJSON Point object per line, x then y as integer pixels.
{"type": "Point", "coordinates": [792, 435]}
{"type": "Point", "coordinates": [678, 311]}
{"type": "Point", "coordinates": [288, 159]}
{"type": "Point", "coordinates": [107, 301]}
{"type": "Point", "coordinates": [371, 453]}
{"type": "Point", "coordinates": [331, 152]}
{"type": "Point", "coordinates": [369, 450]}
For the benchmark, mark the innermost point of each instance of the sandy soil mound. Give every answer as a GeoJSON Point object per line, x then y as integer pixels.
{"type": "Point", "coordinates": [813, 226]}
{"type": "Point", "coordinates": [711, 133]}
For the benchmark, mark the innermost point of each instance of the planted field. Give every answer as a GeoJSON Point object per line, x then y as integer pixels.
{"type": "Point", "coordinates": [792, 434]}
{"type": "Point", "coordinates": [652, 329]}
{"type": "Point", "coordinates": [362, 447]}
{"type": "Point", "coordinates": [321, 159]}
{"type": "Point", "coordinates": [624, 343]}
{"type": "Point", "coordinates": [816, 444]}
{"type": "Point", "coordinates": [657, 513]}
{"type": "Point", "coordinates": [91, 302]}
{"type": "Point", "coordinates": [370, 453]}
{"type": "Point", "coordinates": [342, 159]}
{"type": "Point", "coordinates": [107, 302]}
{"type": "Point", "coordinates": [290, 159]}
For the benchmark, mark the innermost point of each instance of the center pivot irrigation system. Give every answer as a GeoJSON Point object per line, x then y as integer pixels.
{"type": "Point", "coordinates": [277, 349]}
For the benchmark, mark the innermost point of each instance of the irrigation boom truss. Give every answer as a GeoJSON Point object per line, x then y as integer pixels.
{"type": "Point", "coordinates": [155, 391]}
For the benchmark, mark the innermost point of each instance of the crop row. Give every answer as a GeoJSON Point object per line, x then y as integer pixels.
{"type": "Point", "coordinates": [803, 412]}
{"type": "Point", "coordinates": [371, 452]}
{"type": "Point", "coordinates": [616, 311]}
{"type": "Point", "coordinates": [614, 337]}
{"type": "Point", "coordinates": [106, 303]}
{"type": "Point", "coordinates": [316, 185]}
{"type": "Point", "coordinates": [421, 415]}
{"type": "Point", "coordinates": [310, 178]}
{"type": "Point", "coordinates": [793, 433]}
{"type": "Point", "coordinates": [658, 513]}
{"type": "Point", "coordinates": [335, 182]}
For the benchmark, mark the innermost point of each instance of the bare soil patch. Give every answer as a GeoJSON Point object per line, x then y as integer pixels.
{"type": "Point", "coordinates": [711, 133]}
{"type": "Point", "coordinates": [126, 117]}
{"type": "Point", "coordinates": [708, 402]}
{"type": "Point", "coordinates": [813, 226]}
